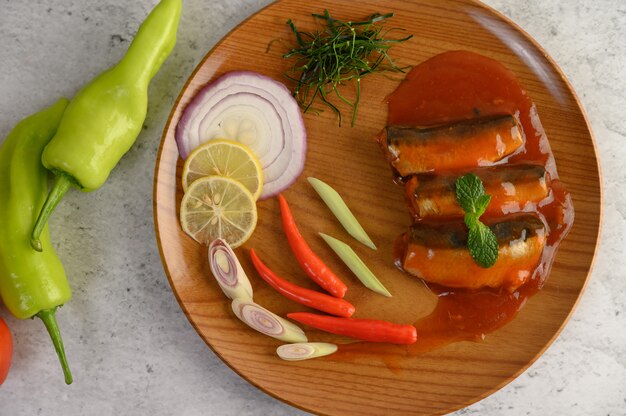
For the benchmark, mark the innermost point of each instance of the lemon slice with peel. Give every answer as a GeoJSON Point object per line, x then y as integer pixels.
{"type": "Point", "coordinates": [224, 158]}
{"type": "Point", "coordinates": [217, 207]}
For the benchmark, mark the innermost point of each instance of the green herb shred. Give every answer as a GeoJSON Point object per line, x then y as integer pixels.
{"type": "Point", "coordinates": [341, 52]}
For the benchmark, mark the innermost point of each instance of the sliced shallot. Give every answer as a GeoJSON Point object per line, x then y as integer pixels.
{"type": "Point", "coordinates": [305, 350]}
{"type": "Point", "coordinates": [228, 271]}
{"type": "Point", "coordinates": [266, 322]}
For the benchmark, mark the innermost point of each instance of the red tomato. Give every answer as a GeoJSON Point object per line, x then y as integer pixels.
{"type": "Point", "coordinates": [6, 350]}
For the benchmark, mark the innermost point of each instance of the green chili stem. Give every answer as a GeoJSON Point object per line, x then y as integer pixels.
{"type": "Point", "coordinates": [49, 320]}
{"type": "Point", "coordinates": [61, 185]}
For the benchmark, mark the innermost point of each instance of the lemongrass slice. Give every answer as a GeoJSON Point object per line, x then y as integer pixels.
{"type": "Point", "coordinates": [266, 322]}
{"type": "Point", "coordinates": [305, 350]}
{"type": "Point", "coordinates": [228, 271]}
{"type": "Point", "coordinates": [337, 205]}
{"type": "Point", "coordinates": [354, 262]}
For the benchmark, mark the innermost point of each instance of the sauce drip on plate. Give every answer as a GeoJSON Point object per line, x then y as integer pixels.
{"type": "Point", "coordinates": [458, 86]}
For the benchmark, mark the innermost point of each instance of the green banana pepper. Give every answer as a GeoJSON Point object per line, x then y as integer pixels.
{"type": "Point", "coordinates": [31, 283]}
{"type": "Point", "coordinates": [104, 119]}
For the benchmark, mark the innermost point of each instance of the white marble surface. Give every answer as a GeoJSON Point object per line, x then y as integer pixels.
{"type": "Point", "coordinates": [132, 349]}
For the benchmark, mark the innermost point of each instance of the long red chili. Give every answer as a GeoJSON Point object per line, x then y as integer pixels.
{"type": "Point", "coordinates": [312, 265]}
{"type": "Point", "coordinates": [312, 299]}
{"type": "Point", "coordinates": [364, 329]}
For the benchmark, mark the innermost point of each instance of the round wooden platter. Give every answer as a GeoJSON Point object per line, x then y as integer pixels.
{"type": "Point", "coordinates": [385, 381]}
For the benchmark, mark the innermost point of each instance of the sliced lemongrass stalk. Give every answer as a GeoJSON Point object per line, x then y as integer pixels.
{"type": "Point", "coordinates": [266, 322]}
{"type": "Point", "coordinates": [338, 207]}
{"type": "Point", "coordinates": [228, 271]}
{"type": "Point", "coordinates": [354, 262]}
{"type": "Point", "coordinates": [305, 350]}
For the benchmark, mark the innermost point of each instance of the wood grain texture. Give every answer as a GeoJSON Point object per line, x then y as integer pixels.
{"type": "Point", "coordinates": [390, 381]}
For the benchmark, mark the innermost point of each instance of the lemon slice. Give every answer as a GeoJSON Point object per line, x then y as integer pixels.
{"type": "Point", "coordinates": [224, 158]}
{"type": "Point", "coordinates": [217, 207]}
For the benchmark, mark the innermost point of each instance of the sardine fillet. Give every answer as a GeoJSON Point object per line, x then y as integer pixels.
{"type": "Point", "coordinates": [438, 253]}
{"type": "Point", "coordinates": [512, 189]}
{"type": "Point", "coordinates": [464, 145]}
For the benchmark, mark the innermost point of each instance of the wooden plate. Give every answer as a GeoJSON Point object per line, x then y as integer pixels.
{"type": "Point", "coordinates": [437, 382]}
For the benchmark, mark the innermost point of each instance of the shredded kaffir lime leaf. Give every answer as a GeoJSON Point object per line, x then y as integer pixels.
{"type": "Point", "coordinates": [482, 242]}
{"type": "Point", "coordinates": [340, 53]}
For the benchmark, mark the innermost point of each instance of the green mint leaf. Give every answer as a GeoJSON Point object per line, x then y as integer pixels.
{"type": "Point", "coordinates": [483, 245]}
{"type": "Point", "coordinates": [471, 220]}
{"type": "Point", "coordinates": [482, 242]}
{"type": "Point", "coordinates": [481, 204]}
{"type": "Point", "coordinates": [468, 189]}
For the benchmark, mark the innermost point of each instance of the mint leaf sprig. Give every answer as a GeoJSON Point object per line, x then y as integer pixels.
{"type": "Point", "coordinates": [482, 242]}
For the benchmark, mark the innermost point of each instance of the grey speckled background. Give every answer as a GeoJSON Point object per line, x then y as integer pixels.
{"type": "Point", "coordinates": [132, 349]}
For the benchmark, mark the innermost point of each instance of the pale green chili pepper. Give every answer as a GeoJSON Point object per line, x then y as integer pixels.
{"type": "Point", "coordinates": [338, 207]}
{"type": "Point", "coordinates": [104, 119]}
{"type": "Point", "coordinates": [31, 283]}
{"type": "Point", "coordinates": [354, 263]}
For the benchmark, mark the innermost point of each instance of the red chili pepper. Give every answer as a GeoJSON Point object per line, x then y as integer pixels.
{"type": "Point", "coordinates": [312, 265]}
{"type": "Point", "coordinates": [307, 297]}
{"type": "Point", "coordinates": [365, 329]}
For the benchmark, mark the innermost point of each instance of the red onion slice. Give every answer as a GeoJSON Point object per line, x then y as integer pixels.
{"type": "Point", "coordinates": [244, 117]}
{"type": "Point", "coordinates": [256, 111]}
{"type": "Point", "coordinates": [228, 271]}
{"type": "Point", "coordinates": [266, 322]}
